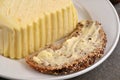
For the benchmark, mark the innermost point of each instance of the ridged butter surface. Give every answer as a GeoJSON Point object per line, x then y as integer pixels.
{"type": "Point", "coordinates": [27, 25]}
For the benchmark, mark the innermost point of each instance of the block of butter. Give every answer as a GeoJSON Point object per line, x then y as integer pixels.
{"type": "Point", "coordinates": [27, 25]}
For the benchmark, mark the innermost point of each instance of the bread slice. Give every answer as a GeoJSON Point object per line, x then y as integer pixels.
{"type": "Point", "coordinates": [76, 52]}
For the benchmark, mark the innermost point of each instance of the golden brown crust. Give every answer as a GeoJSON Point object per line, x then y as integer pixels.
{"type": "Point", "coordinates": [76, 65]}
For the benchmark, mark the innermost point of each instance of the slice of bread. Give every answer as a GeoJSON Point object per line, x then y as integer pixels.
{"type": "Point", "coordinates": [77, 51]}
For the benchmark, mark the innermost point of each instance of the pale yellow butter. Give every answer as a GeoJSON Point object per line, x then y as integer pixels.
{"type": "Point", "coordinates": [1, 41]}
{"type": "Point", "coordinates": [29, 25]}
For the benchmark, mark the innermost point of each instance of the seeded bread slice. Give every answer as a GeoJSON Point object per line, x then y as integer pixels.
{"type": "Point", "coordinates": [79, 63]}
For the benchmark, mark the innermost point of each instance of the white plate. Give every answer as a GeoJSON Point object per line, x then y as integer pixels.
{"type": "Point", "coordinates": [100, 10]}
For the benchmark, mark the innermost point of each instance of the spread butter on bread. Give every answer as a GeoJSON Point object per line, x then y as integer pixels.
{"type": "Point", "coordinates": [78, 51]}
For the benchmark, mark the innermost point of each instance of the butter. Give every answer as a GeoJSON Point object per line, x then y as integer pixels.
{"type": "Point", "coordinates": [37, 60]}
{"type": "Point", "coordinates": [1, 41]}
{"type": "Point", "coordinates": [23, 10]}
{"type": "Point", "coordinates": [29, 25]}
{"type": "Point", "coordinates": [44, 57]}
{"type": "Point", "coordinates": [45, 54]}
{"type": "Point", "coordinates": [73, 48]}
{"type": "Point", "coordinates": [6, 42]}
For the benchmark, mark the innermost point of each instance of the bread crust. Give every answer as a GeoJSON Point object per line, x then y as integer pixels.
{"type": "Point", "coordinates": [76, 65]}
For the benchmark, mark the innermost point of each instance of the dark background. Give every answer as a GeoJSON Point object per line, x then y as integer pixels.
{"type": "Point", "coordinates": [108, 70]}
